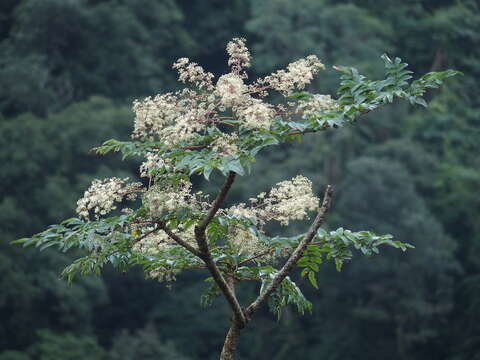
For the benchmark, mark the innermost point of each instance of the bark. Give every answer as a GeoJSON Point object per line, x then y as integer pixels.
{"type": "Point", "coordinates": [227, 291]}
{"type": "Point", "coordinates": [231, 341]}
{"type": "Point", "coordinates": [180, 241]}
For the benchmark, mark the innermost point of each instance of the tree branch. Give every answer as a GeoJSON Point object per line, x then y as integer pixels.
{"type": "Point", "coordinates": [143, 236]}
{"type": "Point", "coordinates": [268, 252]}
{"type": "Point", "coordinates": [180, 241]}
{"type": "Point", "coordinates": [227, 291]}
{"type": "Point", "coordinates": [218, 201]}
{"type": "Point", "coordinates": [202, 242]}
{"type": "Point", "coordinates": [296, 255]}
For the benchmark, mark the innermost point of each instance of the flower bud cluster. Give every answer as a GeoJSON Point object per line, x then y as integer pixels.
{"type": "Point", "coordinates": [102, 195]}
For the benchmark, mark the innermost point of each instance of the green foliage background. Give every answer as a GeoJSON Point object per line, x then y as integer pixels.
{"type": "Point", "coordinates": [68, 72]}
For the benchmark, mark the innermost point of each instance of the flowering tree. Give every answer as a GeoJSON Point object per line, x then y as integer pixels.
{"type": "Point", "coordinates": [223, 125]}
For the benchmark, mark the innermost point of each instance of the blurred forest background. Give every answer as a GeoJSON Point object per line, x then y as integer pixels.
{"type": "Point", "coordinates": [69, 70]}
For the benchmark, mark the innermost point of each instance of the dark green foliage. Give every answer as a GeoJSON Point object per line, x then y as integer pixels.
{"type": "Point", "coordinates": [144, 344]}
{"type": "Point", "coordinates": [428, 274]}
{"type": "Point", "coordinates": [119, 49]}
{"type": "Point", "coordinates": [51, 346]}
{"type": "Point", "coordinates": [411, 173]}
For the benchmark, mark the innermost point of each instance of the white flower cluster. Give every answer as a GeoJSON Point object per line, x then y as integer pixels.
{"type": "Point", "coordinates": [288, 200]}
{"type": "Point", "coordinates": [178, 117]}
{"type": "Point", "coordinates": [102, 195]}
{"type": "Point", "coordinates": [171, 117]}
{"type": "Point", "coordinates": [194, 73]}
{"type": "Point", "coordinates": [164, 273]}
{"type": "Point", "coordinates": [250, 111]}
{"type": "Point", "coordinates": [315, 104]}
{"type": "Point", "coordinates": [160, 241]}
{"type": "Point", "coordinates": [231, 89]}
{"type": "Point", "coordinates": [256, 114]}
{"type": "Point", "coordinates": [298, 74]}
{"type": "Point", "coordinates": [152, 244]}
{"type": "Point", "coordinates": [153, 162]}
{"type": "Point", "coordinates": [159, 199]}
{"type": "Point", "coordinates": [225, 144]}
{"type": "Point", "coordinates": [245, 241]}
{"type": "Point", "coordinates": [239, 55]}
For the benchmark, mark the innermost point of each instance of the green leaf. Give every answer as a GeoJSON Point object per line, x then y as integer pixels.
{"type": "Point", "coordinates": [207, 170]}
{"type": "Point", "coordinates": [313, 280]}
{"type": "Point", "coordinates": [338, 264]}
{"type": "Point", "coordinates": [236, 167]}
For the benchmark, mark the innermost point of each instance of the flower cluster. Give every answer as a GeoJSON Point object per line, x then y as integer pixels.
{"type": "Point", "coordinates": [153, 162]}
{"type": "Point", "coordinates": [239, 55]}
{"type": "Point", "coordinates": [168, 198]}
{"type": "Point", "coordinates": [245, 241]}
{"type": "Point", "coordinates": [287, 200]}
{"type": "Point", "coordinates": [173, 117]}
{"type": "Point", "coordinates": [193, 73]}
{"type": "Point", "coordinates": [256, 114]}
{"type": "Point", "coordinates": [164, 273]}
{"type": "Point", "coordinates": [231, 89]}
{"type": "Point", "coordinates": [225, 144]}
{"type": "Point", "coordinates": [178, 117]}
{"type": "Point", "coordinates": [159, 241]}
{"type": "Point", "coordinates": [102, 195]}
{"type": "Point", "coordinates": [298, 74]}
{"type": "Point", "coordinates": [315, 104]}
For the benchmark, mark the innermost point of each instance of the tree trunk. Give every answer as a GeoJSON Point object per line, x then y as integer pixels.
{"type": "Point", "coordinates": [230, 343]}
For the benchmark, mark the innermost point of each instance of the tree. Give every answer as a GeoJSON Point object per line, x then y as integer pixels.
{"type": "Point", "coordinates": [223, 126]}
{"type": "Point", "coordinates": [60, 52]}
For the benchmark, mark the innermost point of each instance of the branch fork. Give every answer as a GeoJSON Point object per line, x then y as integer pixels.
{"type": "Point", "coordinates": [226, 283]}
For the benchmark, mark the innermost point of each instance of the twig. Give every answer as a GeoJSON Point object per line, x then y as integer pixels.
{"type": "Point", "coordinates": [140, 238]}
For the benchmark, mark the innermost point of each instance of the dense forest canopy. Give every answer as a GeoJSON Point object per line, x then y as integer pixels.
{"type": "Point", "coordinates": [69, 71]}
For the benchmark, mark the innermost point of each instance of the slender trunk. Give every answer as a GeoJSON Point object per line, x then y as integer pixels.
{"type": "Point", "coordinates": [230, 343]}
{"type": "Point", "coordinates": [231, 340]}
